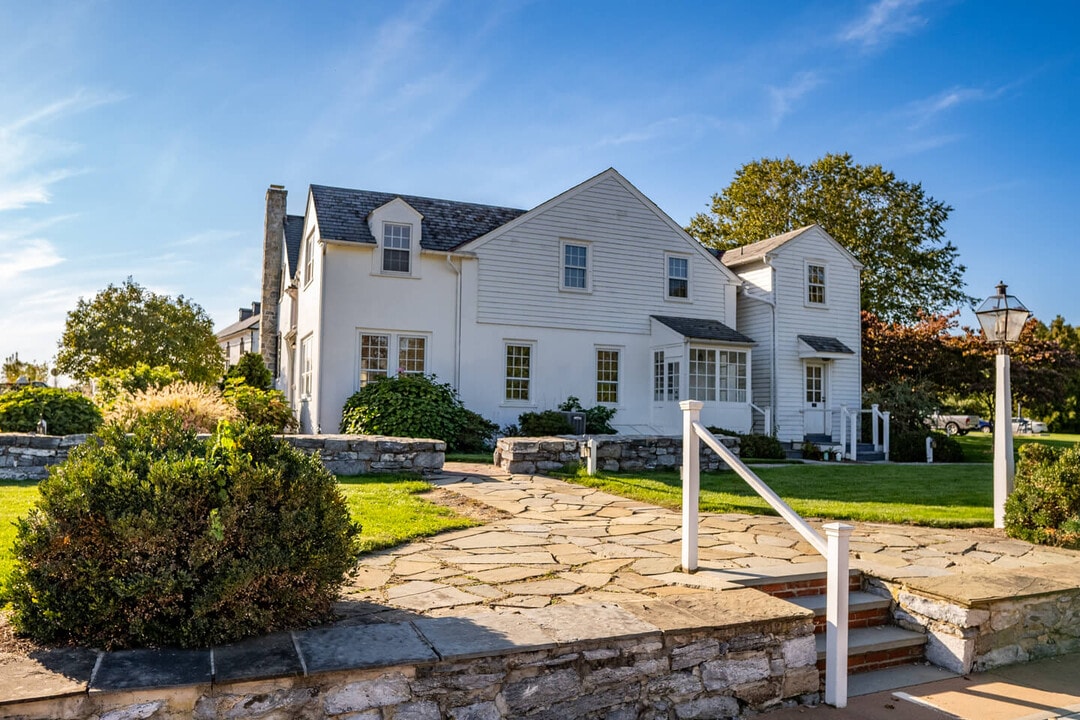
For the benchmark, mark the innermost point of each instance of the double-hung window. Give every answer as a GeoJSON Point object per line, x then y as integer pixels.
{"type": "Point", "coordinates": [575, 266]}
{"type": "Point", "coordinates": [607, 376]}
{"type": "Point", "coordinates": [731, 366]}
{"type": "Point", "coordinates": [305, 367]}
{"type": "Point", "coordinates": [376, 349]}
{"type": "Point", "coordinates": [309, 259]}
{"type": "Point", "coordinates": [665, 378]}
{"type": "Point", "coordinates": [815, 284]}
{"type": "Point", "coordinates": [717, 375]}
{"type": "Point", "coordinates": [397, 247]}
{"type": "Point", "coordinates": [678, 277]}
{"type": "Point", "coordinates": [518, 381]}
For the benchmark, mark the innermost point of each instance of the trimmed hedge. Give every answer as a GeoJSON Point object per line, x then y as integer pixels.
{"type": "Point", "coordinates": [155, 538]}
{"type": "Point", "coordinates": [1045, 506]}
{"type": "Point", "coordinates": [65, 412]}
{"type": "Point", "coordinates": [911, 447]}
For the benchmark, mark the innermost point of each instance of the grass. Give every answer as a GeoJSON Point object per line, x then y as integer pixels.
{"type": "Point", "coordinates": [480, 457]}
{"type": "Point", "coordinates": [16, 499]}
{"type": "Point", "coordinates": [979, 447]}
{"type": "Point", "coordinates": [391, 510]}
{"type": "Point", "coordinates": [934, 495]}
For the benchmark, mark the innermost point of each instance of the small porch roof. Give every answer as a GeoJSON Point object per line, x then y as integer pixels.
{"type": "Point", "coordinates": [819, 346]}
{"type": "Point", "coordinates": [701, 329]}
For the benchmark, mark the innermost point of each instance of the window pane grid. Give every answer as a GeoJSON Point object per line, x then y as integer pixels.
{"type": "Point", "coordinates": [607, 376]}
{"type": "Point", "coordinates": [518, 371]}
{"type": "Point", "coordinates": [815, 283]}
{"type": "Point", "coordinates": [374, 356]}
{"type": "Point", "coordinates": [411, 355]}
{"type": "Point", "coordinates": [305, 367]}
{"type": "Point", "coordinates": [658, 376]}
{"type": "Point", "coordinates": [397, 240]}
{"type": "Point", "coordinates": [815, 384]}
{"type": "Point", "coordinates": [732, 368]}
{"type": "Point", "coordinates": [575, 266]}
{"type": "Point", "coordinates": [673, 380]}
{"type": "Point", "coordinates": [702, 374]}
{"type": "Point", "coordinates": [678, 277]}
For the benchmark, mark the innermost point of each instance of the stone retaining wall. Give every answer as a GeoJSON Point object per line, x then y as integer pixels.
{"type": "Point", "coordinates": [614, 453]}
{"type": "Point", "coordinates": [973, 636]}
{"type": "Point", "coordinates": [28, 457]}
{"type": "Point", "coordinates": [462, 669]}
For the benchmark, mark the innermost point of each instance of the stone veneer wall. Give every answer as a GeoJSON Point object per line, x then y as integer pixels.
{"type": "Point", "coordinates": [28, 457]}
{"type": "Point", "coordinates": [991, 633]}
{"type": "Point", "coordinates": [614, 453]}
{"type": "Point", "coordinates": [720, 672]}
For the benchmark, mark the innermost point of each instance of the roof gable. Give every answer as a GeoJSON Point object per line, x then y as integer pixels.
{"type": "Point", "coordinates": [342, 214]}
{"type": "Point", "coordinates": [612, 174]}
{"type": "Point", "coordinates": [294, 235]}
{"type": "Point", "coordinates": [760, 250]}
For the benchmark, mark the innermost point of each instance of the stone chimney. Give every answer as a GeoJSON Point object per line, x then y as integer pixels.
{"type": "Point", "coordinates": [273, 253]}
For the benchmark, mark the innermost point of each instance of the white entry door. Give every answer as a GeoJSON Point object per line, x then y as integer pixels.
{"type": "Point", "coordinates": [814, 410]}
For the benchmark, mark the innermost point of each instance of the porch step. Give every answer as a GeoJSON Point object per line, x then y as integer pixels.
{"type": "Point", "coordinates": [877, 648]}
{"type": "Point", "coordinates": [817, 439]}
{"type": "Point", "coordinates": [894, 678]}
{"type": "Point", "coordinates": [864, 609]}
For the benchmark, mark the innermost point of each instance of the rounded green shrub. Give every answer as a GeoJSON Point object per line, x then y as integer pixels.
{"type": "Point", "coordinates": [761, 447]}
{"type": "Point", "coordinates": [252, 371]}
{"type": "Point", "coordinates": [260, 407]}
{"type": "Point", "coordinates": [157, 538]}
{"type": "Point", "coordinates": [416, 406]}
{"type": "Point", "coordinates": [1045, 505]}
{"type": "Point", "coordinates": [910, 446]}
{"type": "Point", "coordinates": [542, 424]}
{"type": "Point", "coordinates": [65, 412]}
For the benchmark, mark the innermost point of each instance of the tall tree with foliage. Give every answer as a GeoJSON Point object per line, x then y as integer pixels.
{"type": "Point", "coordinates": [14, 368]}
{"type": "Point", "coordinates": [892, 226]}
{"type": "Point", "coordinates": [124, 325]}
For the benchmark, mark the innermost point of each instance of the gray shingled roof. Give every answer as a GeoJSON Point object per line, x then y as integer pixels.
{"type": "Point", "coordinates": [826, 344]}
{"type": "Point", "coordinates": [342, 215]}
{"type": "Point", "coordinates": [250, 322]}
{"type": "Point", "coordinates": [698, 329]}
{"type": "Point", "coordinates": [756, 251]}
{"type": "Point", "coordinates": [294, 235]}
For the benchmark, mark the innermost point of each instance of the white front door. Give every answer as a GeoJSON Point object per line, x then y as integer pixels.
{"type": "Point", "coordinates": [814, 409]}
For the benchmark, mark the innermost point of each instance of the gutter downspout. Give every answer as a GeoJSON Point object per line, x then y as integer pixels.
{"type": "Point", "coordinates": [316, 381]}
{"type": "Point", "coordinates": [457, 323]}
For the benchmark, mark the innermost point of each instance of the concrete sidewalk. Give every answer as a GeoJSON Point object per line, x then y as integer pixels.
{"type": "Point", "coordinates": [1034, 691]}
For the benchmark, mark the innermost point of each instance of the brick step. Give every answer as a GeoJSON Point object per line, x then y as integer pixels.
{"type": "Point", "coordinates": [876, 648]}
{"type": "Point", "coordinates": [864, 609]}
{"type": "Point", "coordinates": [781, 582]}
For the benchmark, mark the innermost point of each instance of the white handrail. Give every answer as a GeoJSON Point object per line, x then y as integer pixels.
{"type": "Point", "coordinates": [766, 414]}
{"type": "Point", "coordinates": [834, 546]}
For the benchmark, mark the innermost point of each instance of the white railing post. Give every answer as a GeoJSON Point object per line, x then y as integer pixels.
{"type": "Point", "coordinates": [843, 430]}
{"type": "Point", "coordinates": [874, 421]}
{"type": "Point", "coordinates": [854, 436]}
{"type": "Point", "coordinates": [838, 582]}
{"type": "Point", "coordinates": [768, 421]}
{"type": "Point", "coordinates": [885, 443]}
{"type": "Point", "coordinates": [590, 457]}
{"type": "Point", "coordinates": [691, 477]}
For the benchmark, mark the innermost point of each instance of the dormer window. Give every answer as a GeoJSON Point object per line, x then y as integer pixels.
{"type": "Point", "coordinates": [397, 248]}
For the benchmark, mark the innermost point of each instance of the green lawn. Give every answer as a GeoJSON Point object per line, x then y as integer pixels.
{"type": "Point", "coordinates": [979, 447]}
{"type": "Point", "coordinates": [16, 499]}
{"type": "Point", "coordinates": [936, 495]}
{"type": "Point", "coordinates": [392, 510]}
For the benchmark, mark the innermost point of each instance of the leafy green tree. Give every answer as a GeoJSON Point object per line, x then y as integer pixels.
{"type": "Point", "coordinates": [14, 368]}
{"type": "Point", "coordinates": [124, 325]}
{"type": "Point", "coordinates": [892, 226]}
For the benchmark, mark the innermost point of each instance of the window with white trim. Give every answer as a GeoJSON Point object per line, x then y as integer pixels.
{"type": "Point", "coordinates": [397, 248]}
{"type": "Point", "coordinates": [374, 357]}
{"type": "Point", "coordinates": [575, 266]}
{"type": "Point", "coordinates": [702, 374]}
{"type": "Point", "coordinates": [518, 382]}
{"type": "Point", "coordinates": [305, 367]}
{"type": "Point", "coordinates": [412, 355]}
{"type": "Point", "coordinates": [665, 378]}
{"type": "Point", "coordinates": [607, 376]}
{"type": "Point", "coordinates": [678, 277]}
{"type": "Point", "coordinates": [731, 369]}
{"type": "Point", "coordinates": [815, 284]}
{"type": "Point", "coordinates": [309, 259]}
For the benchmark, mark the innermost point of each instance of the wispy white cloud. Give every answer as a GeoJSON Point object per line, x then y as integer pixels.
{"type": "Point", "coordinates": [924, 110]}
{"type": "Point", "coordinates": [781, 99]}
{"type": "Point", "coordinates": [26, 257]}
{"type": "Point", "coordinates": [883, 21]}
{"type": "Point", "coordinates": [207, 237]}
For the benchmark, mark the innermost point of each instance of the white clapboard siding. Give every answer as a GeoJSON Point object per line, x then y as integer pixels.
{"type": "Point", "coordinates": [520, 269]}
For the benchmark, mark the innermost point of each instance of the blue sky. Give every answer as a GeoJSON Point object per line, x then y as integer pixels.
{"type": "Point", "coordinates": [138, 138]}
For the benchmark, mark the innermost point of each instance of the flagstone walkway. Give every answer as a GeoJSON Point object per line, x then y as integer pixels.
{"type": "Point", "coordinates": [564, 543]}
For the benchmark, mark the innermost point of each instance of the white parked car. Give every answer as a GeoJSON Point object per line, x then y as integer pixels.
{"type": "Point", "coordinates": [954, 424]}
{"type": "Point", "coordinates": [1028, 426]}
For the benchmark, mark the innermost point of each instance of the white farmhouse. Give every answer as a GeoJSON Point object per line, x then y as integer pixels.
{"type": "Point", "coordinates": [596, 293]}
{"type": "Point", "coordinates": [240, 337]}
